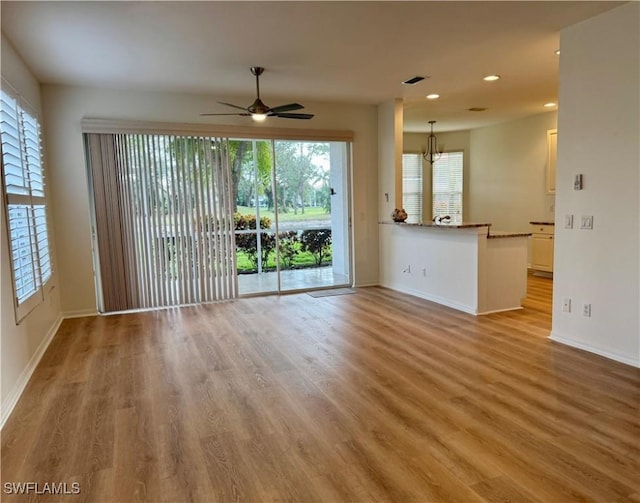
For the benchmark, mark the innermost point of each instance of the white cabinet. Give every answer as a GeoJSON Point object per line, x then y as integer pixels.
{"type": "Point", "coordinates": [542, 246]}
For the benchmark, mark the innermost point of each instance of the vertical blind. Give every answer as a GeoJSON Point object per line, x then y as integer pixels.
{"type": "Point", "coordinates": [447, 186]}
{"type": "Point", "coordinates": [25, 197]}
{"type": "Point", "coordinates": [163, 219]}
{"type": "Point", "coordinates": [412, 187]}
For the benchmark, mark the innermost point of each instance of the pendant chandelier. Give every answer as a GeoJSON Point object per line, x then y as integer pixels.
{"type": "Point", "coordinates": [432, 153]}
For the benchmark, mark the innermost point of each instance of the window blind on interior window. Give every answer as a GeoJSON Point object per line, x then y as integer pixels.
{"type": "Point", "coordinates": [412, 186]}
{"type": "Point", "coordinates": [447, 186]}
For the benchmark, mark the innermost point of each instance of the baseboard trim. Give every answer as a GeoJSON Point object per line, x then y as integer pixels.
{"type": "Point", "coordinates": [434, 298]}
{"type": "Point", "coordinates": [366, 285]}
{"type": "Point", "coordinates": [567, 341]}
{"type": "Point", "coordinates": [12, 399]}
{"type": "Point", "coordinates": [502, 310]}
{"type": "Point", "coordinates": [79, 314]}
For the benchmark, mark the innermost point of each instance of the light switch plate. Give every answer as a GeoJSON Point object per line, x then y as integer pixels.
{"type": "Point", "coordinates": [586, 222]}
{"type": "Point", "coordinates": [568, 221]}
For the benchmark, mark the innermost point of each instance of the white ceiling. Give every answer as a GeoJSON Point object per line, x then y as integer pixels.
{"type": "Point", "coordinates": [352, 52]}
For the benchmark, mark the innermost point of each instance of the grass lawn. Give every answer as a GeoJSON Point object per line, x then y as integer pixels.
{"type": "Point", "coordinates": [310, 213]}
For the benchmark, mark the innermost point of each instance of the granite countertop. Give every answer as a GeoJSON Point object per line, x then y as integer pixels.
{"type": "Point", "coordinates": [541, 222]}
{"type": "Point", "coordinates": [501, 234]}
{"type": "Point", "coordinates": [463, 225]}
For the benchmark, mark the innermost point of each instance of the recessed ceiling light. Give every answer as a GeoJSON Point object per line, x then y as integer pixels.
{"type": "Point", "coordinates": [433, 96]}
{"type": "Point", "coordinates": [413, 80]}
{"type": "Point", "coordinates": [491, 78]}
{"type": "Point", "coordinates": [477, 109]}
{"type": "Point", "coordinates": [551, 104]}
{"type": "Point", "coordinates": [558, 52]}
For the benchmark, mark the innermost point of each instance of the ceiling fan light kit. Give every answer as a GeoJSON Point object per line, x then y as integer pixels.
{"type": "Point", "coordinates": [258, 111]}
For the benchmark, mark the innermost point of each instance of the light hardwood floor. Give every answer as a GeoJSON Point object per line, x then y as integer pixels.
{"type": "Point", "coordinates": [373, 396]}
{"type": "Point", "coordinates": [539, 294]}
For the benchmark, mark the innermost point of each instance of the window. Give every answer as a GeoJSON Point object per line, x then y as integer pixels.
{"type": "Point", "coordinates": [447, 186]}
{"type": "Point", "coordinates": [412, 186]}
{"type": "Point", "coordinates": [23, 180]}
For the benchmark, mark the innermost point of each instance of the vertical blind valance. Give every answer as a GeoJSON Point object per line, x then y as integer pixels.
{"type": "Point", "coordinates": [163, 219]}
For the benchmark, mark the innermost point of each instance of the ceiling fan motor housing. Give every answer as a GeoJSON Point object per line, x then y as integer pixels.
{"type": "Point", "coordinates": [257, 107]}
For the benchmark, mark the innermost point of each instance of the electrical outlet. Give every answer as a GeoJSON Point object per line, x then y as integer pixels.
{"type": "Point", "coordinates": [566, 305]}
{"type": "Point", "coordinates": [424, 272]}
{"type": "Point", "coordinates": [586, 310]}
{"type": "Point", "coordinates": [586, 222]}
{"type": "Point", "coordinates": [568, 221]}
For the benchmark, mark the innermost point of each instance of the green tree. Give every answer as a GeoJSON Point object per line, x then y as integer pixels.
{"type": "Point", "coordinates": [241, 158]}
{"type": "Point", "coordinates": [323, 193]}
{"type": "Point", "coordinates": [295, 170]}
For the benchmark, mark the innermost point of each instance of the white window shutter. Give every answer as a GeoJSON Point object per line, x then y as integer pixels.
{"type": "Point", "coordinates": [23, 182]}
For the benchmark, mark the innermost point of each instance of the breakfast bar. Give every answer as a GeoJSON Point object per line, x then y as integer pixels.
{"type": "Point", "coordinates": [465, 266]}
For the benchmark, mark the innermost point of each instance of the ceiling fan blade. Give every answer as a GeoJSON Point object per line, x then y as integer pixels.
{"type": "Point", "coordinates": [286, 108]}
{"type": "Point", "coordinates": [232, 105]}
{"type": "Point", "coordinates": [292, 116]}
{"type": "Point", "coordinates": [243, 115]}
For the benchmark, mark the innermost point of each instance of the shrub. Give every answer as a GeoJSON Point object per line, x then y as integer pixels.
{"type": "Point", "coordinates": [247, 222]}
{"type": "Point", "coordinates": [288, 248]}
{"type": "Point", "coordinates": [317, 242]}
{"type": "Point", "coordinates": [248, 242]}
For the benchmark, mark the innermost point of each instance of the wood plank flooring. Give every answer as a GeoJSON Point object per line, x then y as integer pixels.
{"type": "Point", "coordinates": [539, 293]}
{"type": "Point", "coordinates": [374, 396]}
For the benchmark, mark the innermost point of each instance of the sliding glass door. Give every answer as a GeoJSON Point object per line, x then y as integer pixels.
{"type": "Point", "coordinates": [188, 219]}
{"type": "Point", "coordinates": [292, 219]}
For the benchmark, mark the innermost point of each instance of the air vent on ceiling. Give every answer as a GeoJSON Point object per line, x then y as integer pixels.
{"type": "Point", "coordinates": [413, 80]}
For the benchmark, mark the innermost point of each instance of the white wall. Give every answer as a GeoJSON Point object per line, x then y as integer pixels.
{"type": "Point", "coordinates": [598, 131]}
{"type": "Point", "coordinates": [21, 346]}
{"type": "Point", "coordinates": [65, 107]}
{"type": "Point", "coordinates": [441, 265]}
{"type": "Point", "coordinates": [389, 190]}
{"type": "Point", "coordinates": [507, 173]}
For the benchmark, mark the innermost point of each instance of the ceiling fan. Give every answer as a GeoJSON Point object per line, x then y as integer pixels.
{"type": "Point", "coordinates": [259, 111]}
